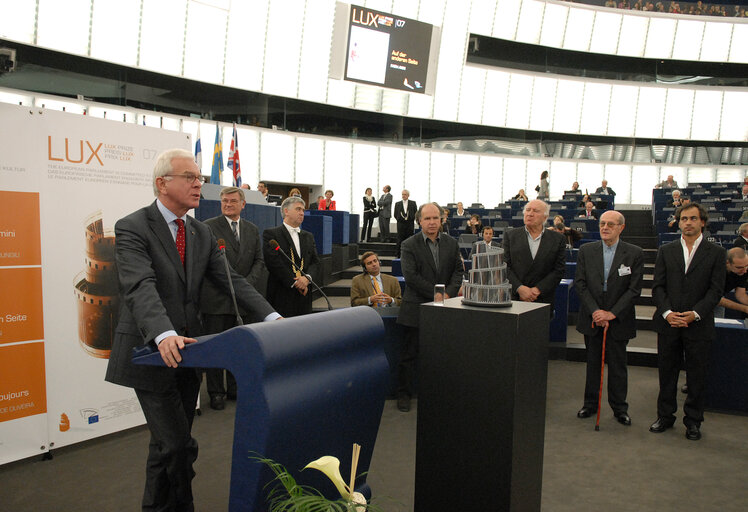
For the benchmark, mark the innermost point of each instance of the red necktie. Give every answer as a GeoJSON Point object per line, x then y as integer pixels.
{"type": "Point", "coordinates": [180, 239]}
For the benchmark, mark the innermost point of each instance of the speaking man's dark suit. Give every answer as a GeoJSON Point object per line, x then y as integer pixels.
{"type": "Point", "coordinates": [280, 292]}
{"type": "Point", "coordinates": [545, 271]}
{"type": "Point", "coordinates": [624, 286]}
{"type": "Point", "coordinates": [405, 220]}
{"type": "Point", "coordinates": [385, 214]}
{"type": "Point", "coordinates": [159, 294]}
{"type": "Point", "coordinates": [699, 290]}
{"type": "Point", "coordinates": [245, 257]}
{"type": "Point", "coordinates": [601, 190]}
{"type": "Point", "coordinates": [421, 274]}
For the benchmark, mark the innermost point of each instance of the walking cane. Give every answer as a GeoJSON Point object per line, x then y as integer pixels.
{"type": "Point", "coordinates": [602, 372]}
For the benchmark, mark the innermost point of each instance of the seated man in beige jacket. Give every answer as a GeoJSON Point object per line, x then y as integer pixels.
{"type": "Point", "coordinates": [372, 288]}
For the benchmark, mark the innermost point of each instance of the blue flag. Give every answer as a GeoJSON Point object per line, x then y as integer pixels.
{"type": "Point", "coordinates": [217, 170]}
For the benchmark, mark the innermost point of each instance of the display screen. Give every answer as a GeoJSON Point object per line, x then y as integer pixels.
{"type": "Point", "coordinates": [387, 50]}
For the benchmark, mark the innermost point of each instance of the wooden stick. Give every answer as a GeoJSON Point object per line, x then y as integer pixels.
{"type": "Point", "coordinates": [354, 466]}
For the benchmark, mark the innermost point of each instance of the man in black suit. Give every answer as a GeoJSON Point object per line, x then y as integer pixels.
{"type": "Point", "coordinates": [162, 257]}
{"type": "Point", "coordinates": [428, 258]}
{"type": "Point", "coordinates": [241, 240]}
{"type": "Point", "coordinates": [589, 211]}
{"type": "Point", "coordinates": [385, 213]}
{"type": "Point", "coordinates": [535, 256]}
{"type": "Point", "coordinates": [290, 282]}
{"type": "Point", "coordinates": [608, 281]}
{"type": "Point", "coordinates": [605, 189]}
{"type": "Point", "coordinates": [405, 215]}
{"type": "Point", "coordinates": [742, 239]}
{"type": "Point", "coordinates": [487, 235]}
{"type": "Point", "coordinates": [688, 283]}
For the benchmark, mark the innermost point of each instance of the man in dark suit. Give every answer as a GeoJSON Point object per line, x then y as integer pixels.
{"type": "Point", "coordinates": [688, 283]}
{"type": "Point", "coordinates": [608, 281]}
{"type": "Point", "coordinates": [742, 239]}
{"type": "Point", "coordinates": [405, 215]}
{"type": "Point", "coordinates": [241, 240]}
{"type": "Point", "coordinates": [535, 256]}
{"type": "Point", "coordinates": [385, 213]}
{"type": "Point", "coordinates": [162, 257]}
{"type": "Point", "coordinates": [605, 189]}
{"type": "Point", "coordinates": [428, 258]}
{"type": "Point", "coordinates": [487, 235]}
{"type": "Point", "coordinates": [290, 282]}
{"type": "Point", "coordinates": [589, 211]}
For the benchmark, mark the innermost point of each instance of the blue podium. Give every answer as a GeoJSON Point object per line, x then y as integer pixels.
{"type": "Point", "coordinates": [306, 387]}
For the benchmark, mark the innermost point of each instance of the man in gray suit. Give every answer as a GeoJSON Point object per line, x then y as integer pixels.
{"type": "Point", "coordinates": [608, 281]}
{"type": "Point", "coordinates": [385, 213]}
{"type": "Point", "coordinates": [688, 283]}
{"type": "Point", "coordinates": [428, 258]}
{"type": "Point", "coordinates": [241, 240]}
{"type": "Point", "coordinates": [162, 256]}
{"type": "Point", "coordinates": [535, 256]}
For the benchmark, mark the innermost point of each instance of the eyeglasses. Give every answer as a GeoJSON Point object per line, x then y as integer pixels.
{"type": "Point", "coordinates": [189, 177]}
{"type": "Point", "coordinates": [230, 201]}
{"type": "Point", "coordinates": [609, 224]}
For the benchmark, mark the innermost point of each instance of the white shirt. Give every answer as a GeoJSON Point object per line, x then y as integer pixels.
{"type": "Point", "coordinates": [687, 259]}
{"type": "Point", "coordinates": [238, 228]}
{"type": "Point", "coordinates": [533, 242]}
{"type": "Point", "coordinates": [294, 232]}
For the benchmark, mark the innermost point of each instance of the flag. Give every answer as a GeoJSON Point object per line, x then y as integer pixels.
{"type": "Point", "coordinates": [217, 168]}
{"type": "Point", "coordinates": [233, 162]}
{"type": "Point", "coordinates": [199, 151]}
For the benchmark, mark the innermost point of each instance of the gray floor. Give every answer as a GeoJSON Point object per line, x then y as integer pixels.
{"type": "Point", "coordinates": [616, 469]}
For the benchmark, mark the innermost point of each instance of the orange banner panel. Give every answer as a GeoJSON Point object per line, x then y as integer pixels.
{"type": "Point", "coordinates": [23, 389]}
{"type": "Point", "coordinates": [20, 243]}
{"type": "Point", "coordinates": [21, 317]}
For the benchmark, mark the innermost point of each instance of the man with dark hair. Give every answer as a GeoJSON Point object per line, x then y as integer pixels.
{"type": "Point", "coordinates": [163, 256]}
{"type": "Point", "coordinates": [290, 282]}
{"type": "Point", "coordinates": [372, 288]}
{"type": "Point", "coordinates": [487, 235]}
{"type": "Point", "coordinates": [384, 206]}
{"type": "Point", "coordinates": [263, 189]}
{"type": "Point", "coordinates": [737, 281]}
{"type": "Point", "coordinates": [241, 240]}
{"type": "Point", "coordinates": [688, 283]}
{"type": "Point", "coordinates": [608, 281]}
{"type": "Point", "coordinates": [535, 256]}
{"type": "Point", "coordinates": [428, 258]}
{"type": "Point", "coordinates": [405, 213]}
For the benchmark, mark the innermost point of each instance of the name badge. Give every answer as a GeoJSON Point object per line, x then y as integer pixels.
{"type": "Point", "coordinates": [624, 271]}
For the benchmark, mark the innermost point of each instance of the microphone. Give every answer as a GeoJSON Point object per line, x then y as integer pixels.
{"type": "Point", "coordinates": [222, 248]}
{"type": "Point", "coordinates": [276, 247]}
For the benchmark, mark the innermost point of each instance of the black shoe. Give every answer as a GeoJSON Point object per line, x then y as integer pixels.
{"type": "Point", "coordinates": [693, 432]}
{"type": "Point", "coordinates": [230, 396]}
{"type": "Point", "coordinates": [403, 402]}
{"type": "Point", "coordinates": [661, 425]}
{"type": "Point", "coordinates": [684, 389]}
{"type": "Point", "coordinates": [623, 418]}
{"type": "Point", "coordinates": [585, 412]}
{"type": "Point", "coordinates": [217, 403]}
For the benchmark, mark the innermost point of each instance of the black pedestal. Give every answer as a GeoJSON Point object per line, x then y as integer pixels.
{"type": "Point", "coordinates": [481, 407]}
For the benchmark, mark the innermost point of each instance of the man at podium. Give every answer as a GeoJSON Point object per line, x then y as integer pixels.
{"type": "Point", "coordinates": [162, 257]}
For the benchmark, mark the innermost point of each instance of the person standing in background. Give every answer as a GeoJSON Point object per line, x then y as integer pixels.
{"type": "Point", "coordinates": [405, 214]}
{"type": "Point", "coordinates": [543, 187]}
{"type": "Point", "coordinates": [370, 212]}
{"type": "Point", "coordinates": [385, 213]}
{"type": "Point", "coordinates": [327, 203]}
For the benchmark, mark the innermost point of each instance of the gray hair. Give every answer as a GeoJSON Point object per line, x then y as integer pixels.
{"type": "Point", "coordinates": [163, 164]}
{"type": "Point", "coordinates": [290, 201]}
{"type": "Point", "coordinates": [547, 206]}
{"type": "Point", "coordinates": [743, 229]}
{"type": "Point", "coordinates": [233, 190]}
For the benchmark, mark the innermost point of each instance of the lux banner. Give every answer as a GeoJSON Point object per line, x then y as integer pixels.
{"type": "Point", "coordinates": [65, 179]}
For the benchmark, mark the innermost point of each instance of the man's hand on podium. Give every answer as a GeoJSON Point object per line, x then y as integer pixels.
{"type": "Point", "coordinates": [170, 347]}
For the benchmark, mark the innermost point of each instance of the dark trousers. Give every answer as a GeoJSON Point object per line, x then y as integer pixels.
{"type": "Point", "coordinates": [368, 224]}
{"type": "Point", "coordinates": [172, 449]}
{"type": "Point", "coordinates": [384, 228]}
{"type": "Point", "coordinates": [671, 353]}
{"type": "Point", "coordinates": [615, 358]}
{"type": "Point", "coordinates": [404, 231]}
{"type": "Point", "coordinates": [406, 368]}
{"type": "Point", "coordinates": [215, 324]}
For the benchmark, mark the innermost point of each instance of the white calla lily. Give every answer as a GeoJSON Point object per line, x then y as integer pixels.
{"type": "Point", "coordinates": [330, 466]}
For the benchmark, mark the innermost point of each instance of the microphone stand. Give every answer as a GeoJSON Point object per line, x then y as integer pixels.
{"type": "Point", "coordinates": [274, 244]}
{"type": "Point", "coordinates": [239, 320]}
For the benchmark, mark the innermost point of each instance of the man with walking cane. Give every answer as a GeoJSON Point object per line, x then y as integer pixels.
{"type": "Point", "coordinates": [608, 281]}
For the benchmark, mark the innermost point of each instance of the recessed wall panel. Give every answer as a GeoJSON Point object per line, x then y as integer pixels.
{"type": "Point", "coordinates": [309, 160]}
{"type": "Point", "coordinates": [622, 115]}
{"type": "Point", "coordinates": [530, 18]}
{"type": "Point", "coordinates": [495, 101]}
{"type": "Point", "coordinates": [520, 96]}
{"type": "Point", "coordinates": [417, 175]}
{"type": "Point", "coordinates": [162, 36]}
{"type": "Point", "coordinates": [489, 181]}
{"type": "Point", "coordinates": [688, 36]}
{"type": "Point", "coordinates": [204, 52]}
{"type": "Point", "coordinates": [282, 48]}
{"type": "Point", "coordinates": [568, 106]}
{"type": "Point", "coordinates": [633, 36]}
{"type": "Point", "coordinates": [114, 31]}
{"type": "Point", "coordinates": [554, 25]}
{"type": "Point", "coordinates": [365, 174]}
{"type": "Point", "coordinates": [18, 23]}
{"type": "Point", "coordinates": [579, 29]}
{"type": "Point", "coordinates": [605, 33]}
{"type": "Point", "coordinates": [466, 182]}
{"type": "Point", "coordinates": [660, 38]}
{"type": "Point", "coordinates": [707, 106]}
{"type": "Point", "coordinates": [471, 95]}
{"type": "Point", "coordinates": [442, 178]}
{"type": "Point", "coordinates": [245, 45]}
{"type": "Point", "coordinates": [715, 46]}
{"type": "Point", "coordinates": [543, 103]}
{"type": "Point", "coordinates": [619, 179]}
{"type": "Point", "coordinates": [64, 26]}
{"type": "Point", "coordinates": [276, 156]}
{"type": "Point", "coordinates": [650, 112]}
{"type": "Point", "coordinates": [595, 107]}
{"type": "Point", "coordinates": [733, 125]}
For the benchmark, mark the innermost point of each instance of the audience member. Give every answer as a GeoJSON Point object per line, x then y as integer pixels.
{"type": "Point", "coordinates": [487, 235]}
{"type": "Point", "coordinates": [460, 212]}
{"type": "Point", "coordinates": [327, 203]}
{"type": "Point", "coordinates": [608, 280]}
{"type": "Point", "coordinates": [744, 193]}
{"type": "Point", "coordinates": [589, 211]}
{"type": "Point", "coordinates": [535, 256]}
{"type": "Point", "coordinates": [574, 189]}
{"type": "Point", "coordinates": [675, 200]}
{"type": "Point", "coordinates": [263, 189]}
{"type": "Point", "coordinates": [521, 196]}
{"type": "Point", "coordinates": [372, 288]}
{"type": "Point", "coordinates": [370, 213]}
{"type": "Point", "coordinates": [445, 221]}
{"type": "Point", "coordinates": [605, 189]}
{"type": "Point", "coordinates": [384, 206]}
{"type": "Point", "coordinates": [571, 235]}
{"type": "Point", "coordinates": [405, 214]}
{"type": "Point", "coordinates": [543, 186]}
{"type": "Point", "coordinates": [688, 283]}
{"type": "Point", "coordinates": [737, 281]}
{"type": "Point", "coordinates": [314, 205]}
{"type": "Point", "coordinates": [668, 183]}
{"type": "Point", "coordinates": [294, 192]}
{"type": "Point", "coordinates": [742, 239]}
{"type": "Point", "coordinates": [474, 225]}
{"type": "Point", "coordinates": [428, 258]}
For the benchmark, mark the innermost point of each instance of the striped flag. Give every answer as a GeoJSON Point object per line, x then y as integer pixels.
{"type": "Point", "coordinates": [199, 151]}
{"type": "Point", "coordinates": [233, 162]}
{"type": "Point", "coordinates": [217, 169]}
